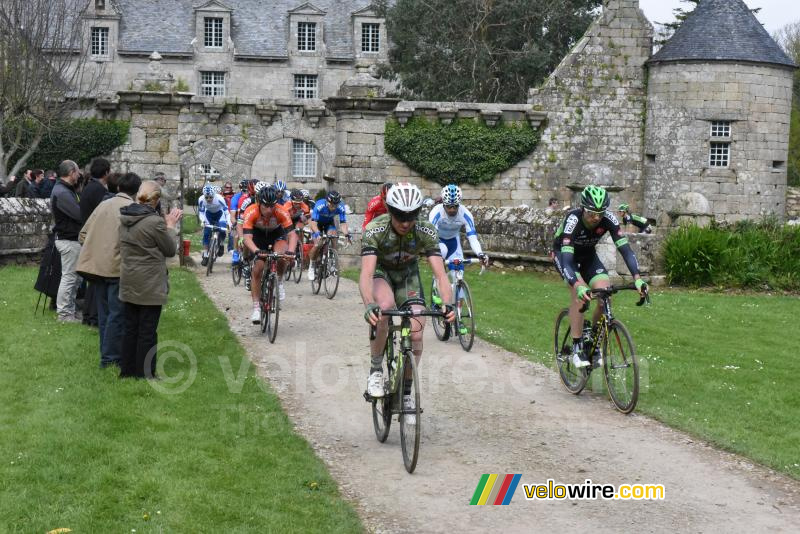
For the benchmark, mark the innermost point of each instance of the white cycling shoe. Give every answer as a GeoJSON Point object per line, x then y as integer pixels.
{"type": "Point", "coordinates": [375, 384]}
{"type": "Point", "coordinates": [255, 318]}
{"type": "Point", "coordinates": [409, 405]}
{"type": "Point", "coordinates": [281, 292]}
{"type": "Point", "coordinates": [311, 272]}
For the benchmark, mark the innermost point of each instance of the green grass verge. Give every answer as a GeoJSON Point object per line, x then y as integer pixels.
{"type": "Point", "coordinates": [82, 449]}
{"type": "Point", "coordinates": [719, 366]}
{"type": "Point", "coordinates": [192, 230]}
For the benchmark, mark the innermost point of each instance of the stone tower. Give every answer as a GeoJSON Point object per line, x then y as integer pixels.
{"type": "Point", "coordinates": [717, 124]}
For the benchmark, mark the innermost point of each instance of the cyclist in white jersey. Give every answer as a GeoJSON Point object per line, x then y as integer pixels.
{"type": "Point", "coordinates": [449, 218]}
{"type": "Point", "coordinates": [213, 211]}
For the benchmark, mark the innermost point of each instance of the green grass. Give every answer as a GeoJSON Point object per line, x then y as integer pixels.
{"type": "Point", "coordinates": [719, 366]}
{"type": "Point", "coordinates": [83, 449]}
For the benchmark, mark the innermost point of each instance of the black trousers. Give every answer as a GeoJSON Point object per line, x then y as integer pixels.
{"type": "Point", "coordinates": [139, 341]}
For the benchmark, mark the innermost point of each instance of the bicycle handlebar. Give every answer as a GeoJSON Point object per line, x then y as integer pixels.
{"type": "Point", "coordinates": [456, 264]}
{"type": "Point", "coordinates": [405, 312]}
{"type": "Point", "coordinates": [608, 291]}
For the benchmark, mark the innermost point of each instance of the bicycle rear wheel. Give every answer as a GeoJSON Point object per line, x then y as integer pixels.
{"type": "Point", "coordinates": [274, 308]}
{"type": "Point", "coordinates": [382, 408]}
{"type": "Point", "coordinates": [410, 431]}
{"type": "Point", "coordinates": [236, 272]}
{"type": "Point", "coordinates": [212, 253]}
{"type": "Point", "coordinates": [297, 269]}
{"type": "Point", "coordinates": [621, 367]}
{"type": "Point", "coordinates": [574, 379]}
{"type": "Point", "coordinates": [332, 274]}
{"type": "Point", "coordinates": [440, 327]}
{"type": "Point", "coordinates": [465, 316]}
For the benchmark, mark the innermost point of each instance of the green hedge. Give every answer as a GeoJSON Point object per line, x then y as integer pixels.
{"type": "Point", "coordinates": [763, 255]}
{"type": "Point", "coordinates": [465, 151]}
{"type": "Point", "coordinates": [79, 140]}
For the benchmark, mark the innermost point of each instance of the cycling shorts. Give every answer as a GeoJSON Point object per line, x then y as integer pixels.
{"type": "Point", "coordinates": [264, 240]}
{"type": "Point", "coordinates": [406, 285]}
{"type": "Point", "coordinates": [588, 265]}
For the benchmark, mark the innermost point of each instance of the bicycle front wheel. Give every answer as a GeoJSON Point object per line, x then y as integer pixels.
{"type": "Point", "coordinates": [621, 367]}
{"type": "Point", "coordinates": [410, 418]}
{"type": "Point", "coordinates": [274, 308]}
{"type": "Point", "coordinates": [212, 253]}
{"type": "Point", "coordinates": [465, 317]}
{"type": "Point", "coordinates": [332, 274]}
{"type": "Point", "coordinates": [573, 378]}
{"type": "Point", "coordinates": [297, 269]}
{"type": "Point", "coordinates": [265, 301]}
{"type": "Point", "coordinates": [382, 408]}
{"type": "Point", "coordinates": [236, 272]}
{"type": "Point", "coordinates": [316, 283]}
{"type": "Point", "coordinates": [440, 327]}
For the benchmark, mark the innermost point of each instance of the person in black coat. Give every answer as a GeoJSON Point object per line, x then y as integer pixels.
{"type": "Point", "coordinates": [93, 193]}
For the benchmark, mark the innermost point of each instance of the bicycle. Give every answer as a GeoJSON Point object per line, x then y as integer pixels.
{"type": "Point", "coordinates": [327, 267]}
{"type": "Point", "coordinates": [295, 268]}
{"type": "Point", "coordinates": [268, 298]}
{"type": "Point", "coordinates": [383, 408]}
{"type": "Point", "coordinates": [212, 247]}
{"type": "Point", "coordinates": [620, 364]}
{"type": "Point", "coordinates": [237, 270]}
{"type": "Point", "coordinates": [464, 324]}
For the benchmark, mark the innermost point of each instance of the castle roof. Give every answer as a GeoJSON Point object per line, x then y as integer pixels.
{"type": "Point", "coordinates": [722, 30]}
{"type": "Point", "coordinates": [258, 28]}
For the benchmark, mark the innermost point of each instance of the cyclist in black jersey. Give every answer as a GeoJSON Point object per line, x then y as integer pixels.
{"type": "Point", "coordinates": [626, 217]}
{"type": "Point", "coordinates": [576, 259]}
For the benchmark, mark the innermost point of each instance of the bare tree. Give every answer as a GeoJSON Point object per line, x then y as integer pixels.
{"type": "Point", "coordinates": [45, 71]}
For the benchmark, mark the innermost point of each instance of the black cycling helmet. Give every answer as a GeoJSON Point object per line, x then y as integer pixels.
{"type": "Point", "coordinates": [296, 195]}
{"type": "Point", "coordinates": [268, 196]}
{"type": "Point", "coordinates": [594, 198]}
{"type": "Point", "coordinates": [243, 185]}
{"type": "Point", "coordinates": [333, 197]}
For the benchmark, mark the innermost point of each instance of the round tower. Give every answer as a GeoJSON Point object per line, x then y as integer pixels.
{"type": "Point", "coordinates": [717, 126]}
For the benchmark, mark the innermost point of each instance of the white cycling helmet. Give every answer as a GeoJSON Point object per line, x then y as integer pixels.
{"type": "Point", "coordinates": [208, 190]}
{"type": "Point", "coordinates": [404, 200]}
{"type": "Point", "coordinates": [260, 185]}
{"type": "Point", "coordinates": [451, 195]}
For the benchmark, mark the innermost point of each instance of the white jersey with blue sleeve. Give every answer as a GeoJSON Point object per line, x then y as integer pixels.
{"type": "Point", "coordinates": [450, 227]}
{"type": "Point", "coordinates": [214, 212]}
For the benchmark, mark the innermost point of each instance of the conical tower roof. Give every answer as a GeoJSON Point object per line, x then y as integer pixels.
{"type": "Point", "coordinates": [722, 30]}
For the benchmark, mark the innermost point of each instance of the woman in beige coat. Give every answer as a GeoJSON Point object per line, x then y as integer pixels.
{"type": "Point", "coordinates": [146, 240]}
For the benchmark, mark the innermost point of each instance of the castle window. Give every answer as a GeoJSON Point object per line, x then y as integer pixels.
{"type": "Point", "coordinates": [305, 86]}
{"type": "Point", "coordinates": [719, 154]}
{"type": "Point", "coordinates": [213, 32]}
{"type": "Point", "coordinates": [212, 83]}
{"type": "Point", "coordinates": [720, 129]}
{"type": "Point", "coordinates": [207, 173]}
{"type": "Point", "coordinates": [370, 37]}
{"type": "Point", "coordinates": [307, 36]}
{"type": "Point", "coordinates": [304, 159]}
{"type": "Point", "coordinates": [99, 42]}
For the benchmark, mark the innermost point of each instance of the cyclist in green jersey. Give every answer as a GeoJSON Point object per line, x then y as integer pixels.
{"type": "Point", "coordinates": [626, 217]}
{"type": "Point", "coordinates": [391, 246]}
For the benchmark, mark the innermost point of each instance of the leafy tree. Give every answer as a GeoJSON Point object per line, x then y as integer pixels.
{"type": "Point", "coordinates": [480, 50]}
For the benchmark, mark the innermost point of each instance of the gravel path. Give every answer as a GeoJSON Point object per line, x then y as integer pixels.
{"type": "Point", "coordinates": [490, 411]}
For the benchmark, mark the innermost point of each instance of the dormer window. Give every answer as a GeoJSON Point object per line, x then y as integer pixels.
{"type": "Point", "coordinates": [213, 32]}
{"type": "Point", "coordinates": [99, 4]}
{"type": "Point", "coordinates": [307, 36]}
{"type": "Point", "coordinates": [99, 45]}
{"type": "Point", "coordinates": [370, 37]}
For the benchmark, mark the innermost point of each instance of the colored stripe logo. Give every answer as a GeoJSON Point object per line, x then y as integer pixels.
{"type": "Point", "coordinates": [495, 489]}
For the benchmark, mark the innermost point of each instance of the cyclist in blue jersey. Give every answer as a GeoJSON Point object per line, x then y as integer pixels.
{"type": "Point", "coordinates": [577, 261]}
{"type": "Point", "coordinates": [323, 221]}
{"type": "Point", "coordinates": [232, 216]}
{"type": "Point", "coordinates": [283, 192]}
{"type": "Point", "coordinates": [213, 211]}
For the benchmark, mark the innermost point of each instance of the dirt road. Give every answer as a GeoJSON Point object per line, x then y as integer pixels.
{"type": "Point", "coordinates": [490, 411]}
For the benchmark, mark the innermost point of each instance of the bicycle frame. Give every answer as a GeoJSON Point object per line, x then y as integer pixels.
{"type": "Point", "coordinates": [607, 317]}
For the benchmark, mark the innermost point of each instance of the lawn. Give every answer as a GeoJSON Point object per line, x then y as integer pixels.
{"type": "Point", "coordinates": [716, 365]}
{"type": "Point", "coordinates": [84, 450]}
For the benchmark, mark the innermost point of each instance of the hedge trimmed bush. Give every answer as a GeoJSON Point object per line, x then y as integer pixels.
{"type": "Point", "coordinates": [465, 151]}
{"type": "Point", "coordinates": [763, 255]}
{"type": "Point", "coordinates": [79, 140]}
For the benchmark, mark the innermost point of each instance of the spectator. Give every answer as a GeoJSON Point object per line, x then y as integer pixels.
{"type": "Point", "coordinates": [113, 185]}
{"type": "Point", "coordinates": [95, 189]}
{"type": "Point", "coordinates": [552, 206]}
{"type": "Point", "coordinates": [161, 178]}
{"type": "Point", "coordinates": [68, 224]}
{"type": "Point", "coordinates": [10, 186]}
{"type": "Point", "coordinates": [100, 263]}
{"type": "Point", "coordinates": [38, 180]}
{"type": "Point", "coordinates": [49, 181]}
{"type": "Point", "coordinates": [26, 187]}
{"type": "Point", "coordinates": [146, 240]}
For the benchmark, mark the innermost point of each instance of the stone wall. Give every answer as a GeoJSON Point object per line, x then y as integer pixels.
{"type": "Point", "coordinates": [793, 202]}
{"type": "Point", "coordinates": [756, 99]}
{"type": "Point", "coordinates": [24, 226]}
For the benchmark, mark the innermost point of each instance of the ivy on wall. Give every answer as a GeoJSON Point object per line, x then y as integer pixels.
{"type": "Point", "coordinates": [465, 151]}
{"type": "Point", "coordinates": [79, 140]}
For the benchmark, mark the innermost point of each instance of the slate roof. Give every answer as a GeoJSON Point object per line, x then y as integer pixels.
{"type": "Point", "coordinates": [259, 28]}
{"type": "Point", "coordinates": [722, 30]}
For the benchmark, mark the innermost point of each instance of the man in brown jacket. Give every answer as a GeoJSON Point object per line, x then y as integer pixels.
{"type": "Point", "coordinates": [99, 262]}
{"type": "Point", "coordinates": [146, 239]}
